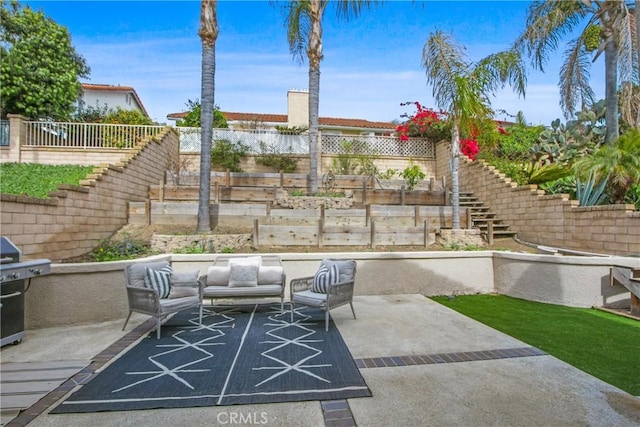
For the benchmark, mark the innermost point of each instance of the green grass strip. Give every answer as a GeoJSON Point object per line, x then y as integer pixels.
{"type": "Point", "coordinates": [602, 344]}
{"type": "Point", "coordinates": [37, 180]}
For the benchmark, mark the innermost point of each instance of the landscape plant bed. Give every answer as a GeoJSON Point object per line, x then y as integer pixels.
{"type": "Point", "coordinates": [602, 344]}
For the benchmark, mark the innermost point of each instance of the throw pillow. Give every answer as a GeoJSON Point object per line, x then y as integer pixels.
{"type": "Point", "coordinates": [270, 275]}
{"type": "Point", "coordinates": [184, 284]}
{"type": "Point", "coordinates": [218, 276]}
{"type": "Point", "coordinates": [324, 278]}
{"type": "Point", "coordinates": [159, 280]}
{"type": "Point", "coordinates": [347, 268]}
{"type": "Point", "coordinates": [242, 276]}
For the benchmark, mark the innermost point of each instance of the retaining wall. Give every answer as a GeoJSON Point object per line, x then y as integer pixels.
{"type": "Point", "coordinates": [95, 292]}
{"type": "Point", "coordinates": [553, 220]}
{"type": "Point", "coordinates": [74, 219]}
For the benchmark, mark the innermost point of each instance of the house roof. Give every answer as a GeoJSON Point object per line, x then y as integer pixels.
{"type": "Point", "coordinates": [282, 118]}
{"type": "Point", "coordinates": [118, 88]}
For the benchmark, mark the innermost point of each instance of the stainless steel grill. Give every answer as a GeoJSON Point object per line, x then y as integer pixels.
{"type": "Point", "coordinates": [13, 274]}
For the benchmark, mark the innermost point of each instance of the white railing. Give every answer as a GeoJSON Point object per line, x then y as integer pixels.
{"type": "Point", "coordinates": [85, 135]}
{"type": "Point", "coordinates": [97, 135]}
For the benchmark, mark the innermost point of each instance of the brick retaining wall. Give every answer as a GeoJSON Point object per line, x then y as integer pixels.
{"type": "Point", "coordinates": [553, 220]}
{"type": "Point", "coordinates": [74, 219]}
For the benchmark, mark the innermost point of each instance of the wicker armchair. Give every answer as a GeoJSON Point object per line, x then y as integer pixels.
{"type": "Point", "coordinates": [337, 294]}
{"type": "Point", "coordinates": [147, 301]}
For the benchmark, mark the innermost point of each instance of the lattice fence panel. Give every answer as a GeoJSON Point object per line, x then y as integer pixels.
{"type": "Point", "coordinates": [377, 145]}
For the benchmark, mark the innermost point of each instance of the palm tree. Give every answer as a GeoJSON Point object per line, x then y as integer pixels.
{"type": "Point", "coordinates": [548, 21]}
{"type": "Point", "coordinates": [618, 163]}
{"type": "Point", "coordinates": [304, 34]}
{"type": "Point", "coordinates": [208, 33]}
{"type": "Point", "coordinates": [463, 89]}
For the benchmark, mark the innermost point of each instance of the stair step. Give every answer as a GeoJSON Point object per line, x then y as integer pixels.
{"type": "Point", "coordinates": [504, 233]}
{"type": "Point", "coordinates": [486, 220]}
{"type": "Point", "coordinates": [483, 213]}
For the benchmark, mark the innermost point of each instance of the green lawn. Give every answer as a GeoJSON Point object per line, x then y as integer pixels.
{"type": "Point", "coordinates": [602, 344]}
{"type": "Point", "coordinates": [37, 180]}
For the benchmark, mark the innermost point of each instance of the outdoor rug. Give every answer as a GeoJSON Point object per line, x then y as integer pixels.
{"type": "Point", "coordinates": [240, 355]}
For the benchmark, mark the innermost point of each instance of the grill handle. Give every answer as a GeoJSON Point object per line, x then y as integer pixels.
{"type": "Point", "coordinates": [5, 259]}
{"type": "Point", "coordinates": [15, 294]}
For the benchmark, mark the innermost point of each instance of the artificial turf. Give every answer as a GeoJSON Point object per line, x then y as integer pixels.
{"type": "Point", "coordinates": [602, 344]}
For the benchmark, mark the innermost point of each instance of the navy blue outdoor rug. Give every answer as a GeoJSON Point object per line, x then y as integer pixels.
{"type": "Point", "coordinates": [240, 355]}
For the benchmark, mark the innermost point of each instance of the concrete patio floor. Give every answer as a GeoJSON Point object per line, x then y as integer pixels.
{"type": "Point", "coordinates": [425, 364]}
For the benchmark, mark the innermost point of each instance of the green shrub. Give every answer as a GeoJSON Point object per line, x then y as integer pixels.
{"type": "Point", "coordinates": [228, 155]}
{"type": "Point", "coordinates": [127, 248]}
{"type": "Point", "coordinates": [275, 160]}
{"type": "Point", "coordinates": [413, 175]}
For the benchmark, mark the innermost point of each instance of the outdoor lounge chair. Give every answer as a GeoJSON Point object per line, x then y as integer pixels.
{"type": "Point", "coordinates": [335, 294]}
{"type": "Point", "coordinates": [184, 292]}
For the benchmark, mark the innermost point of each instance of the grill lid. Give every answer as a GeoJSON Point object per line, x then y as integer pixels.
{"type": "Point", "coordinates": [8, 251]}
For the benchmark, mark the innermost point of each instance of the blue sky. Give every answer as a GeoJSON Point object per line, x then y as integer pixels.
{"type": "Point", "coordinates": [371, 63]}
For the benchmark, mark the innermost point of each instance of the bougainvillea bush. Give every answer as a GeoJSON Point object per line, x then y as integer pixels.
{"type": "Point", "coordinates": [424, 123]}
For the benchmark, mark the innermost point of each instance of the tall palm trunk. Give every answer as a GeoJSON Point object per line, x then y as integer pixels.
{"type": "Point", "coordinates": [455, 180]}
{"type": "Point", "coordinates": [611, 90]}
{"type": "Point", "coordinates": [314, 54]}
{"type": "Point", "coordinates": [208, 34]}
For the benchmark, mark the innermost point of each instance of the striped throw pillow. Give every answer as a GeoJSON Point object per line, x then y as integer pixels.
{"type": "Point", "coordinates": [324, 278]}
{"type": "Point", "coordinates": [160, 280]}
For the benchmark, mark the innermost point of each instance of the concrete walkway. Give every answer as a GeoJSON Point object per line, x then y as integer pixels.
{"type": "Point", "coordinates": [425, 364]}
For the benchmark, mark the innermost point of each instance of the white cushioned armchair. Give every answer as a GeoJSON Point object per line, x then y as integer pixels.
{"type": "Point", "coordinates": [335, 295]}
{"type": "Point", "coordinates": [184, 292]}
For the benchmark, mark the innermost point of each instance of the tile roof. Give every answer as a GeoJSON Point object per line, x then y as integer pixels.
{"type": "Point", "coordinates": [282, 118]}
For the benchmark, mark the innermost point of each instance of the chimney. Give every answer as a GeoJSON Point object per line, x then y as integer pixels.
{"type": "Point", "coordinates": [298, 108]}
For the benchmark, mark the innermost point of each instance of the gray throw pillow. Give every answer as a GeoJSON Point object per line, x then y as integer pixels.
{"type": "Point", "coordinates": [242, 276]}
{"type": "Point", "coordinates": [184, 284]}
{"type": "Point", "coordinates": [347, 268]}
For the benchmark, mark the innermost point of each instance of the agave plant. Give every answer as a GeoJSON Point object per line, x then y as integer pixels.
{"type": "Point", "coordinates": [592, 191]}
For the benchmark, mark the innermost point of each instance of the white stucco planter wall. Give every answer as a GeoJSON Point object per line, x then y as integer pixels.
{"type": "Point", "coordinates": [95, 292]}
{"type": "Point", "coordinates": [565, 280]}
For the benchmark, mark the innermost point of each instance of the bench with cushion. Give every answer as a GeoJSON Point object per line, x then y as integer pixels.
{"type": "Point", "coordinates": [245, 277]}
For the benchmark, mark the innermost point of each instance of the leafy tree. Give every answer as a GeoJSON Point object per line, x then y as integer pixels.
{"type": "Point", "coordinates": [208, 33]}
{"type": "Point", "coordinates": [462, 89]}
{"type": "Point", "coordinates": [39, 68]}
{"type": "Point", "coordinates": [304, 33]}
{"type": "Point", "coordinates": [120, 116]}
{"type": "Point", "coordinates": [548, 21]}
{"type": "Point", "coordinates": [192, 118]}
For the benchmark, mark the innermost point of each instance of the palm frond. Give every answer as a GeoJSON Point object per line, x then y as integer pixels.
{"type": "Point", "coordinates": [575, 92]}
{"type": "Point", "coordinates": [547, 23]}
{"type": "Point", "coordinates": [443, 60]}
{"type": "Point", "coordinates": [298, 22]}
{"type": "Point", "coordinates": [347, 9]}
{"type": "Point", "coordinates": [502, 68]}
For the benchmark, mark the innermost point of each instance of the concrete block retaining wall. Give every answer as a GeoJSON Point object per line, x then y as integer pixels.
{"type": "Point", "coordinates": [95, 292]}
{"type": "Point", "coordinates": [74, 219]}
{"type": "Point", "coordinates": [553, 220]}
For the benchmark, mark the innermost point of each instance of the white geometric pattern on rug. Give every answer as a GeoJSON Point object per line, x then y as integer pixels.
{"type": "Point", "coordinates": [177, 372]}
{"type": "Point", "coordinates": [280, 342]}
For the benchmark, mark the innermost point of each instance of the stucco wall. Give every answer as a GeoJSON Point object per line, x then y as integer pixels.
{"type": "Point", "coordinates": [95, 292]}
{"type": "Point", "coordinates": [74, 219]}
